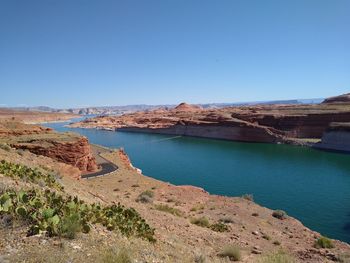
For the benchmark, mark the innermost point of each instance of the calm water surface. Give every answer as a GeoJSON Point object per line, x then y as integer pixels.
{"type": "Point", "coordinates": [310, 185]}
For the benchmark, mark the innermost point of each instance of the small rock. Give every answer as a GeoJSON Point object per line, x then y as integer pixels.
{"type": "Point", "coordinates": [76, 247]}
{"type": "Point", "coordinates": [331, 256]}
{"type": "Point", "coordinates": [256, 250]}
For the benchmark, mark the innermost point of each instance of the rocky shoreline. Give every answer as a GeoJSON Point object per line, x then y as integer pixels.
{"type": "Point", "coordinates": [289, 124]}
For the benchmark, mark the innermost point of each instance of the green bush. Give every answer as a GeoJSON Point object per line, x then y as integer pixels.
{"type": "Point", "coordinates": [201, 221]}
{"type": "Point", "coordinates": [232, 252]}
{"type": "Point", "coordinates": [279, 214]}
{"type": "Point", "coordinates": [324, 242]}
{"type": "Point", "coordinates": [169, 209]}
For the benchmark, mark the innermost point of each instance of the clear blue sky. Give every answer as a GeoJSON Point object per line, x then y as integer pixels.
{"type": "Point", "coordinates": [67, 53]}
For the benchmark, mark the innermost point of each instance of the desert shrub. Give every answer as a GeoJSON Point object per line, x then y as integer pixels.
{"type": "Point", "coordinates": [5, 147]}
{"type": "Point", "coordinates": [149, 193]}
{"type": "Point", "coordinates": [69, 226]}
{"type": "Point", "coordinates": [169, 209]}
{"type": "Point", "coordinates": [135, 185]}
{"type": "Point", "coordinates": [3, 187]}
{"type": "Point", "coordinates": [279, 214]}
{"type": "Point", "coordinates": [232, 252]}
{"type": "Point", "coordinates": [248, 197]}
{"type": "Point", "coordinates": [197, 207]}
{"type": "Point", "coordinates": [200, 259]}
{"type": "Point", "coordinates": [116, 256]}
{"type": "Point", "coordinates": [255, 214]}
{"type": "Point", "coordinates": [6, 220]}
{"type": "Point", "coordinates": [219, 227]}
{"type": "Point", "coordinates": [201, 221]}
{"type": "Point", "coordinates": [145, 197]}
{"type": "Point", "coordinates": [324, 242]}
{"type": "Point", "coordinates": [277, 257]}
{"type": "Point", "coordinates": [276, 242]}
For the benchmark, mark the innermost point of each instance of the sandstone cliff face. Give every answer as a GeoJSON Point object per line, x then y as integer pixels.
{"type": "Point", "coordinates": [336, 138]}
{"type": "Point", "coordinates": [67, 148]}
{"type": "Point", "coordinates": [245, 133]}
{"type": "Point", "coordinates": [261, 123]}
{"type": "Point", "coordinates": [307, 125]}
{"type": "Point", "coordinates": [76, 152]}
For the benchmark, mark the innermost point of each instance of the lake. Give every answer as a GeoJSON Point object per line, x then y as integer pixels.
{"type": "Point", "coordinates": [310, 185]}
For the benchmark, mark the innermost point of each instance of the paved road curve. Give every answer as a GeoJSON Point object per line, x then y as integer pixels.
{"type": "Point", "coordinates": [107, 167]}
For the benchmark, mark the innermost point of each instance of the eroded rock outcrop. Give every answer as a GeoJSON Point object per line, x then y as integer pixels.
{"type": "Point", "coordinates": [186, 107]}
{"type": "Point", "coordinates": [76, 152]}
{"type": "Point", "coordinates": [68, 148]}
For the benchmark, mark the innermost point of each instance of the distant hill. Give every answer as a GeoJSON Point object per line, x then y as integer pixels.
{"type": "Point", "coordinates": [118, 110]}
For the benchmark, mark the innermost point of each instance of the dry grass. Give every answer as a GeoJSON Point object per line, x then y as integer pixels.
{"type": "Point", "coordinates": [115, 256]}
{"type": "Point", "coordinates": [277, 257]}
{"type": "Point", "coordinates": [232, 252]}
{"type": "Point", "coordinates": [201, 221]}
{"type": "Point", "coordinates": [168, 209]}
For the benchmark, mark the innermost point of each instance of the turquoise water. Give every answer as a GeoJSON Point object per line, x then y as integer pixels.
{"type": "Point", "coordinates": [310, 185]}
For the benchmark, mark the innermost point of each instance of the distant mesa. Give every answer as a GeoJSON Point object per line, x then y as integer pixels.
{"type": "Point", "coordinates": [338, 99]}
{"type": "Point", "coordinates": [187, 107]}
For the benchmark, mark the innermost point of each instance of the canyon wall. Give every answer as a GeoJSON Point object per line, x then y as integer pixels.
{"type": "Point", "coordinates": [244, 133]}
{"type": "Point", "coordinates": [336, 138]}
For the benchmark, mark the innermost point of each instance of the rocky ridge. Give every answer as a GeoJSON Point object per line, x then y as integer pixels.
{"type": "Point", "coordinates": [34, 116]}
{"type": "Point", "coordinates": [345, 98]}
{"type": "Point", "coordinates": [260, 123]}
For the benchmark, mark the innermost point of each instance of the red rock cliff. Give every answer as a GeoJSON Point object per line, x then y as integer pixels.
{"type": "Point", "coordinates": [75, 152]}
